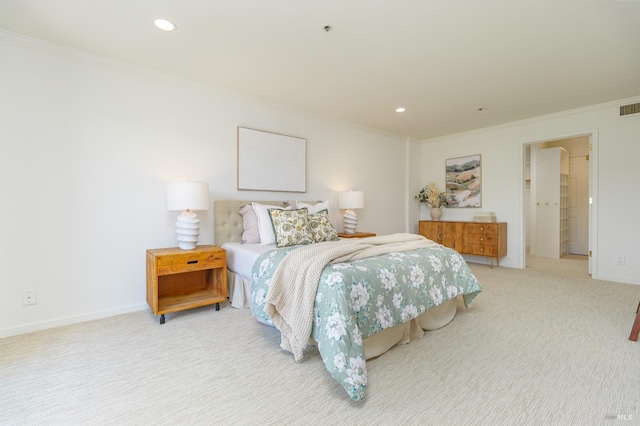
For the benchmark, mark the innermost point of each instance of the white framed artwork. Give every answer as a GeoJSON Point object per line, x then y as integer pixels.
{"type": "Point", "coordinates": [271, 162]}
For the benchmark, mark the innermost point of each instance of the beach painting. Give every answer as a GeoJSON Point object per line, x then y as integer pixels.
{"type": "Point", "coordinates": [463, 178]}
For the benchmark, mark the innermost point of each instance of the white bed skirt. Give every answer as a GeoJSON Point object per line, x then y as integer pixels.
{"type": "Point", "coordinates": [401, 334]}
{"type": "Point", "coordinates": [240, 297]}
{"type": "Point", "coordinates": [239, 290]}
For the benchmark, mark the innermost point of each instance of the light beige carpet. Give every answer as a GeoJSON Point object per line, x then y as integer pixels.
{"type": "Point", "coordinates": [541, 346]}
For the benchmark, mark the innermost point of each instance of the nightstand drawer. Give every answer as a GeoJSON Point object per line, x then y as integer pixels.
{"type": "Point", "coordinates": [190, 261]}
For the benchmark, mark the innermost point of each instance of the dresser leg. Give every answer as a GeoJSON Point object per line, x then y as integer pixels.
{"type": "Point", "coordinates": [162, 319]}
{"type": "Point", "coordinates": [217, 306]}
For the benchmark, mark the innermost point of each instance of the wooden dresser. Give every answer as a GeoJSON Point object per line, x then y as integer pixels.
{"type": "Point", "coordinates": [474, 238]}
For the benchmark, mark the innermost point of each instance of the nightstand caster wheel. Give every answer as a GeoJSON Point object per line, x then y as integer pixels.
{"type": "Point", "coordinates": [217, 306]}
{"type": "Point", "coordinates": [162, 319]}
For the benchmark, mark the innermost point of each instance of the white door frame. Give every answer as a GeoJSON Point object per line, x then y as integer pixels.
{"type": "Point", "coordinates": [593, 196]}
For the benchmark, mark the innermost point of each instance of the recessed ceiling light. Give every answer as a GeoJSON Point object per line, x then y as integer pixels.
{"type": "Point", "coordinates": [165, 25]}
{"type": "Point", "coordinates": [401, 109]}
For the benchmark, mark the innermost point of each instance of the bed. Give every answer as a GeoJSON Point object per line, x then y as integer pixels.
{"type": "Point", "coordinates": [376, 303]}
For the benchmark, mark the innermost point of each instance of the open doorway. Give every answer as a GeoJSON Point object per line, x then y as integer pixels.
{"type": "Point", "coordinates": [556, 211]}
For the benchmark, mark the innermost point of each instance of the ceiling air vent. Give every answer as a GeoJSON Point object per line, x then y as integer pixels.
{"type": "Point", "coordinates": [629, 109]}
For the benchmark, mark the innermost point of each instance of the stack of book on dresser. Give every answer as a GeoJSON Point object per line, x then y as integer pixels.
{"type": "Point", "coordinates": [484, 217]}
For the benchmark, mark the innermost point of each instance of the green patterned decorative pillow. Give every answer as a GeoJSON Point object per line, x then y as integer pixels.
{"type": "Point", "coordinates": [291, 227]}
{"type": "Point", "coordinates": [321, 228]}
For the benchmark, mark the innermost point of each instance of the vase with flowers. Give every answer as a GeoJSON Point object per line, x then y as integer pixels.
{"type": "Point", "coordinates": [433, 197]}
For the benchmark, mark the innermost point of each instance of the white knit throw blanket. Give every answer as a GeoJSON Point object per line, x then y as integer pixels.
{"type": "Point", "coordinates": [293, 287]}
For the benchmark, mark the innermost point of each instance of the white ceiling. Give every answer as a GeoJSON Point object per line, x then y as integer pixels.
{"type": "Point", "coordinates": [442, 60]}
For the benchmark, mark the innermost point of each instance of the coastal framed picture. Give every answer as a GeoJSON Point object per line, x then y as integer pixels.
{"type": "Point", "coordinates": [463, 177]}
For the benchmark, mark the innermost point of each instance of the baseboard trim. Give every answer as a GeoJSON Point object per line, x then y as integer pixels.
{"type": "Point", "coordinates": [616, 279]}
{"type": "Point", "coordinates": [58, 322]}
{"type": "Point", "coordinates": [482, 260]}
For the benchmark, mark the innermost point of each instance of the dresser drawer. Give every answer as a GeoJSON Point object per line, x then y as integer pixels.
{"type": "Point", "coordinates": [191, 261]}
{"type": "Point", "coordinates": [489, 239]}
{"type": "Point", "coordinates": [482, 250]}
{"type": "Point", "coordinates": [482, 228]}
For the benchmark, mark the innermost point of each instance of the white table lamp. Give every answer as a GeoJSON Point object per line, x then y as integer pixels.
{"type": "Point", "coordinates": [185, 197]}
{"type": "Point", "coordinates": [348, 201]}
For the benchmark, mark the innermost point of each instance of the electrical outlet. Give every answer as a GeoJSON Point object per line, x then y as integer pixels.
{"type": "Point", "coordinates": [621, 261]}
{"type": "Point", "coordinates": [29, 297]}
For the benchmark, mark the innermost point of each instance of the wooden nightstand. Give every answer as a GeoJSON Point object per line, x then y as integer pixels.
{"type": "Point", "coordinates": [182, 279]}
{"type": "Point", "coordinates": [356, 235]}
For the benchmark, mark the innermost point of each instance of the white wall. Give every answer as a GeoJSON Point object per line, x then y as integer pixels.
{"type": "Point", "coordinates": [414, 164]}
{"type": "Point", "coordinates": [88, 146]}
{"type": "Point", "coordinates": [614, 178]}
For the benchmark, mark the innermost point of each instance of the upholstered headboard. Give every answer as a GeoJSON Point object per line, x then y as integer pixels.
{"type": "Point", "coordinates": [228, 221]}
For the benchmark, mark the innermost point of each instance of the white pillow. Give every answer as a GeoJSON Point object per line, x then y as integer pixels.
{"type": "Point", "coordinates": [313, 208]}
{"type": "Point", "coordinates": [265, 226]}
{"type": "Point", "coordinates": [251, 233]}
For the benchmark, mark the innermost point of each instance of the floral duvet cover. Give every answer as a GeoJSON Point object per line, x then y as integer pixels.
{"type": "Point", "coordinates": [357, 299]}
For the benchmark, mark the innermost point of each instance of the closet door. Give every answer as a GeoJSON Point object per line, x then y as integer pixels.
{"type": "Point", "coordinates": [548, 203]}
{"type": "Point", "coordinates": [579, 205]}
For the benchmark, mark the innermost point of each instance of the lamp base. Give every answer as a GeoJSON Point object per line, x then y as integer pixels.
{"type": "Point", "coordinates": [188, 229]}
{"type": "Point", "coordinates": [350, 221]}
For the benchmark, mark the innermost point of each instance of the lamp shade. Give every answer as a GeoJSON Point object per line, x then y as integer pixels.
{"type": "Point", "coordinates": [351, 200]}
{"type": "Point", "coordinates": [187, 196]}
